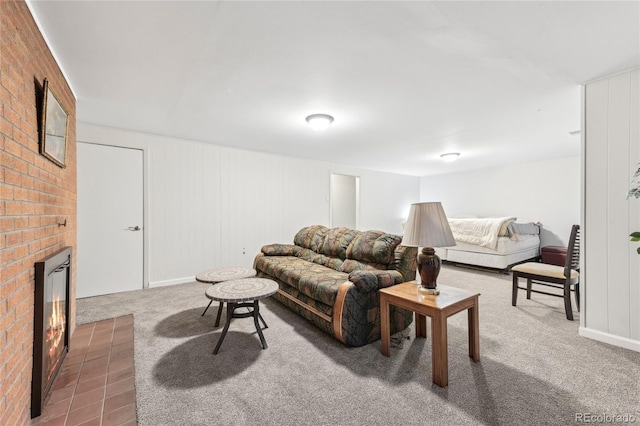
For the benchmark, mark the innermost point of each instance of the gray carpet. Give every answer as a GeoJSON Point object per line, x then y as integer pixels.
{"type": "Point", "coordinates": [534, 367]}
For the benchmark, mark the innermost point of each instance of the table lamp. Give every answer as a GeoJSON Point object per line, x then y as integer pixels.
{"type": "Point", "coordinates": [428, 227]}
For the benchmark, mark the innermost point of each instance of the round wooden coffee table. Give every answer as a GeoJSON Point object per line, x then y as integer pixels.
{"type": "Point", "coordinates": [243, 293]}
{"type": "Point", "coordinates": [218, 275]}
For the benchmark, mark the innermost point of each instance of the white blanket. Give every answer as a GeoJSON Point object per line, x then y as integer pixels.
{"type": "Point", "coordinates": [481, 232]}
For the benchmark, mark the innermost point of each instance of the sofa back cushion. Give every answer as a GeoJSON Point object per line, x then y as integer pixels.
{"type": "Point", "coordinates": [337, 240]}
{"type": "Point", "coordinates": [374, 247]}
{"type": "Point", "coordinates": [311, 237]}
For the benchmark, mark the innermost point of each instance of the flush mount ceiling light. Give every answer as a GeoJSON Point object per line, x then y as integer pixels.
{"type": "Point", "coordinates": [450, 156]}
{"type": "Point", "coordinates": [319, 122]}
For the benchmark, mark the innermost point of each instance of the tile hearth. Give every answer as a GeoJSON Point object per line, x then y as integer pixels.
{"type": "Point", "coordinates": [96, 383]}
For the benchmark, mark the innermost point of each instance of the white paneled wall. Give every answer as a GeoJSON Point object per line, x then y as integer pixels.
{"type": "Point", "coordinates": [184, 207]}
{"type": "Point", "coordinates": [209, 206]}
{"type": "Point", "coordinates": [611, 272]}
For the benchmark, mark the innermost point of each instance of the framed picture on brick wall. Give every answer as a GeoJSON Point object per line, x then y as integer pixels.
{"type": "Point", "coordinates": [53, 134]}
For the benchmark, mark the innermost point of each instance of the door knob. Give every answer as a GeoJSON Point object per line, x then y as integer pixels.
{"type": "Point", "coordinates": [134, 228]}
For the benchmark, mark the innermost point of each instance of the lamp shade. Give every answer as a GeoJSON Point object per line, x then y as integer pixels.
{"type": "Point", "coordinates": [427, 226]}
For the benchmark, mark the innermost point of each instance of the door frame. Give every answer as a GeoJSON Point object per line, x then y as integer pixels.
{"type": "Point", "coordinates": [357, 196]}
{"type": "Point", "coordinates": [145, 201]}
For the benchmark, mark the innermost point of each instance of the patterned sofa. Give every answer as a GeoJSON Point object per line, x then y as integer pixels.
{"type": "Point", "coordinates": [331, 278]}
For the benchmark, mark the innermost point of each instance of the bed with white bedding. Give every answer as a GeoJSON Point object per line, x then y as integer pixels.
{"type": "Point", "coordinates": [497, 243]}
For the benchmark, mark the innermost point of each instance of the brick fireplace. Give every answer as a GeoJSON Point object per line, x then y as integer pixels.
{"type": "Point", "coordinates": [51, 323]}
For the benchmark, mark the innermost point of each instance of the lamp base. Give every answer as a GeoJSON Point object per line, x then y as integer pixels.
{"type": "Point", "coordinates": [429, 267]}
{"type": "Point", "coordinates": [430, 291]}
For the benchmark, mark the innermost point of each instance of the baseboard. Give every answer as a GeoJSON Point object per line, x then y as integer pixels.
{"type": "Point", "coordinates": [611, 339]}
{"type": "Point", "coordinates": [172, 282]}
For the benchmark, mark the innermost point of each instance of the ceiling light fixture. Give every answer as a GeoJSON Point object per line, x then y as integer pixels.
{"type": "Point", "coordinates": [450, 156]}
{"type": "Point", "coordinates": [319, 122]}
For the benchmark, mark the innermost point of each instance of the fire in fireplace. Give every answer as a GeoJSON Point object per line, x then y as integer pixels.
{"type": "Point", "coordinates": [51, 326]}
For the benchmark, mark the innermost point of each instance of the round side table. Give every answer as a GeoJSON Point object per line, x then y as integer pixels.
{"type": "Point", "coordinates": [218, 275]}
{"type": "Point", "coordinates": [243, 293]}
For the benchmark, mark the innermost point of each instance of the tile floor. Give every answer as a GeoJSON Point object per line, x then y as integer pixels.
{"type": "Point", "coordinates": [96, 383]}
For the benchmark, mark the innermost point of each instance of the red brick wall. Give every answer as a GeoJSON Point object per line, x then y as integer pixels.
{"type": "Point", "coordinates": [35, 195]}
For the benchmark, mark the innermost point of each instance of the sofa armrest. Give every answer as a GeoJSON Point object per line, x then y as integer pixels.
{"type": "Point", "coordinates": [281, 250]}
{"type": "Point", "coordinates": [372, 280]}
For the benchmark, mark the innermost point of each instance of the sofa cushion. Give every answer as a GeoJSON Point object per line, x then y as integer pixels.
{"type": "Point", "coordinates": [306, 254]}
{"type": "Point", "coordinates": [368, 281]}
{"type": "Point", "coordinates": [405, 261]}
{"type": "Point", "coordinates": [314, 280]}
{"type": "Point", "coordinates": [374, 247]}
{"type": "Point", "coordinates": [350, 265]}
{"type": "Point", "coordinates": [328, 261]}
{"type": "Point", "coordinates": [281, 250]}
{"type": "Point", "coordinates": [337, 240]}
{"type": "Point", "coordinates": [311, 237]}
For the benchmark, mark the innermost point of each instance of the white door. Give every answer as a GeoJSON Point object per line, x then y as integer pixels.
{"type": "Point", "coordinates": [110, 220]}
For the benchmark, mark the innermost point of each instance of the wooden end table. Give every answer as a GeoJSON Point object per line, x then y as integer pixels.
{"type": "Point", "coordinates": [450, 301]}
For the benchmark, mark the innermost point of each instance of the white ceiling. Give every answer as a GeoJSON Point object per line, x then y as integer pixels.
{"type": "Point", "coordinates": [498, 82]}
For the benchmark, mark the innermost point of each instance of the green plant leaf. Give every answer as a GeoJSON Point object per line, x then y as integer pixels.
{"type": "Point", "coordinates": [635, 236]}
{"type": "Point", "coordinates": [638, 250]}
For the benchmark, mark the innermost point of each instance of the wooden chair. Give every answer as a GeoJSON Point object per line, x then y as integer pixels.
{"type": "Point", "coordinates": [567, 278]}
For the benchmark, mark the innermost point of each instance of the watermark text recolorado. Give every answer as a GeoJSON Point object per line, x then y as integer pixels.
{"type": "Point", "coordinates": [604, 418]}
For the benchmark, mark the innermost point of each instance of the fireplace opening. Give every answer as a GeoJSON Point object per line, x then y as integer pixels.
{"type": "Point", "coordinates": [51, 323]}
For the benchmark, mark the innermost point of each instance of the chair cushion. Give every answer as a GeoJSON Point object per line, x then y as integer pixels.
{"type": "Point", "coordinates": [544, 270]}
